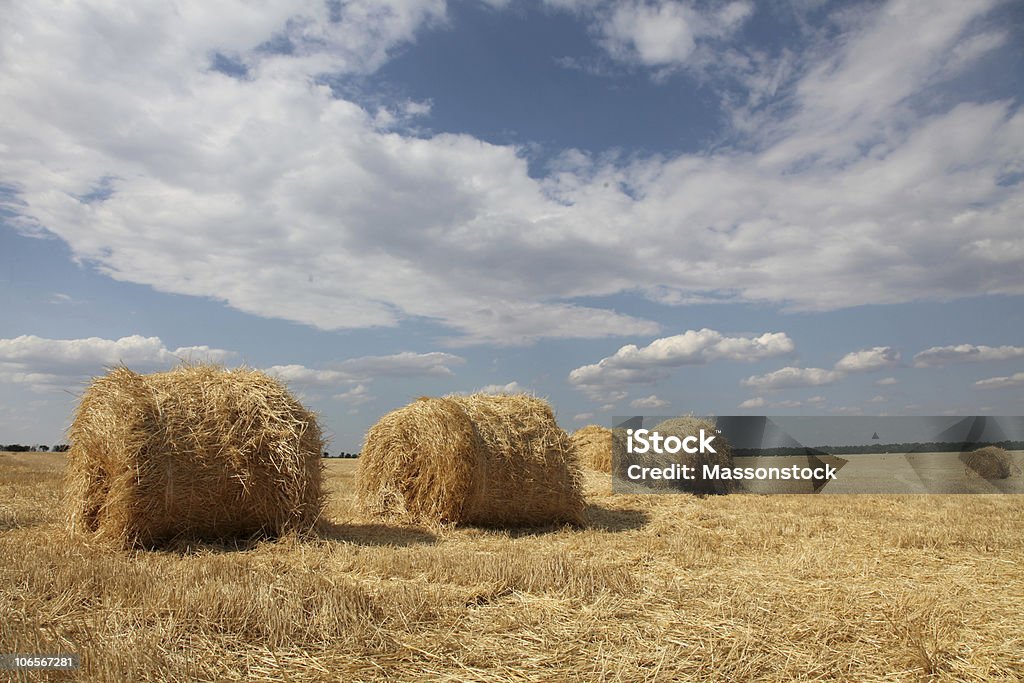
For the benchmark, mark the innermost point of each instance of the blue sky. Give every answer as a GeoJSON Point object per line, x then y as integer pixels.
{"type": "Point", "coordinates": [786, 208]}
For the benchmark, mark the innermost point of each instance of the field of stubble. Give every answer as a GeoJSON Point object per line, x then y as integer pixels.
{"type": "Point", "coordinates": [657, 588]}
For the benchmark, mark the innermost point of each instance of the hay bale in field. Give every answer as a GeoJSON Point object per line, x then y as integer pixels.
{"type": "Point", "coordinates": [990, 462]}
{"type": "Point", "coordinates": [682, 427]}
{"type": "Point", "coordinates": [594, 447]}
{"type": "Point", "coordinates": [482, 459]}
{"type": "Point", "coordinates": [198, 452]}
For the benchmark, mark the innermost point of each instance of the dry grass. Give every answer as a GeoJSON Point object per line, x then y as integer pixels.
{"type": "Point", "coordinates": [196, 451]}
{"type": "Point", "coordinates": [594, 447]}
{"type": "Point", "coordinates": [480, 459]}
{"type": "Point", "coordinates": [657, 588]}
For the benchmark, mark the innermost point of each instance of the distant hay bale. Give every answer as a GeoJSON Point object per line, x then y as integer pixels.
{"type": "Point", "coordinates": [681, 427]}
{"type": "Point", "coordinates": [197, 452]}
{"type": "Point", "coordinates": [594, 447]}
{"type": "Point", "coordinates": [990, 462]}
{"type": "Point", "coordinates": [488, 460]}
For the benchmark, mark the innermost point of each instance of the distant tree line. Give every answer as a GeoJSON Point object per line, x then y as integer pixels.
{"type": "Point", "coordinates": [42, 448]}
{"type": "Point", "coordinates": [879, 448]}
{"type": "Point", "coordinates": [63, 447]}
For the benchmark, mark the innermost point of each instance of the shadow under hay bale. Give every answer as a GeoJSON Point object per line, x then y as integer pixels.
{"type": "Point", "coordinates": [680, 427]}
{"type": "Point", "coordinates": [199, 452]}
{"type": "Point", "coordinates": [374, 534]}
{"type": "Point", "coordinates": [990, 462]}
{"type": "Point", "coordinates": [594, 447]}
{"type": "Point", "coordinates": [616, 519]}
{"type": "Point", "coordinates": [474, 460]}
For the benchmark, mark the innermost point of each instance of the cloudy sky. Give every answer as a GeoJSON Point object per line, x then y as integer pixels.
{"type": "Point", "coordinates": [782, 207]}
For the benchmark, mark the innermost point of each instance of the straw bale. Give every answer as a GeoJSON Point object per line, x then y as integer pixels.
{"type": "Point", "coordinates": [594, 447]}
{"type": "Point", "coordinates": [198, 452]}
{"type": "Point", "coordinates": [990, 462]}
{"type": "Point", "coordinates": [481, 460]}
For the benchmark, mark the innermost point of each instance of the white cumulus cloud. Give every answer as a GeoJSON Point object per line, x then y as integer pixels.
{"type": "Point", "coordinates": [632, 364]}
{"type": "Point", "coordinates": [789, 377]}
{"type": "Point", "coordinates": [404, 364]}
{"type": "Point", "coordinates": [651, 401]}
{"type": "Point", "coordinates": [512, 387]}
{"type": "Point", "coordinates": [199, 150]}
{"type": "Point", "coordinates": [368, 368]}
{"type": "Point", "coordinates": [869, 360]}
{"type": "Point", "coordinates": [663, 33]}
{"type": "Point", "coordinates": [865, 360]}
{"type": "Point", "coordinates": [938, 356]}
{"type": "Point", "coordinates": [301, 375]}
{"type": "Point", "coordinates": [356, 396]}
{"type": "Point", "coordinates": [48, 363]}
{"type": "Point", "coordinates": [1011, 381]}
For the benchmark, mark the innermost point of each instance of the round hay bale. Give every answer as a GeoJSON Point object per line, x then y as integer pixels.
{"type": "Point", "coordinates": [594, 447]}
{"type": "Point", "coordinates": [197, 452]}
{"type": "Point", "coordinates": [681, 427]}
{"type": "Point", "coordinates": [990, 462]}
{"type": "Point", "coordinates": [487, 460]}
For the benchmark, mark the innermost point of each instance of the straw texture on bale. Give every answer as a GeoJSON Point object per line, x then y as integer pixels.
{"type": "Point", "coordinates": [475, 460]}
{"type": "Point", "coordinates": [594, 447]}
{"type": "Point", "coordinates": [682, 427]}
{"type": "Point", "coordinates": [197, 452]}
{"type": "Point", "coordinates": [990, 462]}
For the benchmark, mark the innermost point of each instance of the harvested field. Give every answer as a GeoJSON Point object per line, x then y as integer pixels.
{"type": "Point", "coordinates": [657, 588]}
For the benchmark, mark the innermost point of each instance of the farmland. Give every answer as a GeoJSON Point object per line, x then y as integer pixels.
{"type": "Point", "coordinates": [734, 587]}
